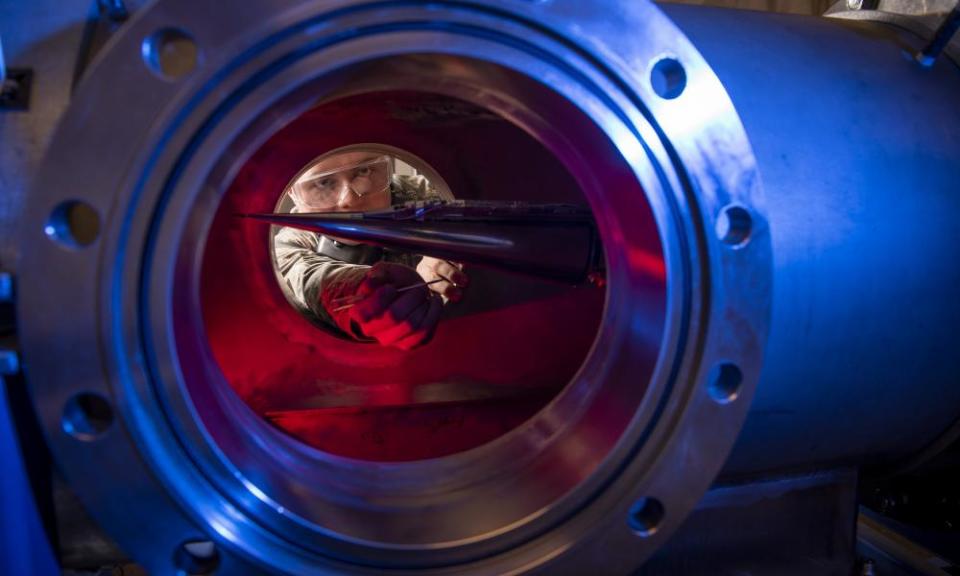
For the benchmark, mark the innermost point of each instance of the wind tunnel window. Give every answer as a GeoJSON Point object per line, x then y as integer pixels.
{"type": "Point", "coordinates": [365, 178]}
{"type": "Point", "coordinates": [483, 237]}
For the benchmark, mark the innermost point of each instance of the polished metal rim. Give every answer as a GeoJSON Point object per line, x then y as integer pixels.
{"type": "Point", "coordinates": [150, 155]}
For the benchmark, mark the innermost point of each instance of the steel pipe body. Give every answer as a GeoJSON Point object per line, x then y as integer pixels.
{"type": "Point", "coordinates": [859, 151]}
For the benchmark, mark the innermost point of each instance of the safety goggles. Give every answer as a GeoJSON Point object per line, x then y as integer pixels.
{"type": "Point", "coordinates": [330, 188]}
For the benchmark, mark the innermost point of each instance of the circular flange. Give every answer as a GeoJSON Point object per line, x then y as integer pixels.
{"type": "Point", "coordinates": [151, 161]}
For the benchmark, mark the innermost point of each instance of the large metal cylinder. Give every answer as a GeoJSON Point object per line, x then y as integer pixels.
{"type": "Point", "coordinates": [774, 195]}
{"type": "Point", "coordinates": [859, 151]}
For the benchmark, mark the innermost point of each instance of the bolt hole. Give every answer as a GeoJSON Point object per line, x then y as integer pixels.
{"type": "Point", "coordinates": [646, 516]}
{"type": "Point", "coordinates": [197, 557]}
{"type": "Point", "coordinates": [668, 78]}
{"type": "Point", "coordinates": [725, 380]}
{"type": "Point", "coordinates": [87, 416]}
{"type": "Point", "coordinates": [73, 224]}
{"type": "Point", "coordinates": [734, 226]}
{"type": "Point", "coordinates": [170, 53]}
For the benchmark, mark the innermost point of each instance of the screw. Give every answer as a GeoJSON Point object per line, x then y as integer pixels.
{"type": "Point", "coordinates": [868, 568]}
{"type": "Point", "coordinates": [9, 362]}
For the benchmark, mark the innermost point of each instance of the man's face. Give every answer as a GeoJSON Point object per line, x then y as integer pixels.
{"type": "Point", "coordinates": [346, 182]}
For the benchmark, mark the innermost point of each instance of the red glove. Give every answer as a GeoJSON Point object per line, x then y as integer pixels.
{"type": "Point", "coordinates": [403, 319]}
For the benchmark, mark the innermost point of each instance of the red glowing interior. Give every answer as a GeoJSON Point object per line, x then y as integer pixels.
{"type": "Point", "coordinates": [498, 356]}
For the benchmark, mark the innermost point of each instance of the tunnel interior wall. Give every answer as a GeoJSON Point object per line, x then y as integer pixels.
{"type": "Point", "coordinates": [514, 339]}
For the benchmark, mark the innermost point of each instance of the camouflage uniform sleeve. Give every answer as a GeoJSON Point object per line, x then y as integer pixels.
{"type": "Point", "coordinates": [314, 279]}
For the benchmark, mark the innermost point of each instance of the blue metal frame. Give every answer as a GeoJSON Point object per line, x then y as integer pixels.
{"type": "Point", "coordinates": [24, 548]}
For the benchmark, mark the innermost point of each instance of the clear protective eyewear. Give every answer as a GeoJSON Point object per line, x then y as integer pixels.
{"type": "Point", "coordinates": [331, 187]}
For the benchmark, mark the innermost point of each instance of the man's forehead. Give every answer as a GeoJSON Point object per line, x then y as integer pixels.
{"type": "Point", "coordinates": [340, 162]}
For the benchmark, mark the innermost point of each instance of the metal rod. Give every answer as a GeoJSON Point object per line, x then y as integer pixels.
{"type": "Point", "coordinates": [551, 241]}
{"type": "Point", "coordinates": [928, 56]}
{"type": "Point", "coordinates": [349, 301]}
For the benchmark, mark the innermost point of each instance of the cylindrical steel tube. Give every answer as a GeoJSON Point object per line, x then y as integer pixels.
{"type": "Point", "coordinates": [859, 151]}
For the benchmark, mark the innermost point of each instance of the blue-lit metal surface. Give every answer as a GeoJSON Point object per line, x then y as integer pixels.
{"type": "Point", "coordinates": [859, 148]}
{"type": "Point", "coordinates": [47, 46]}
{"type": "Point", "coordinates": [161, 144]}
{"type": "Point", "coordinates": [847, 256]}
{"type": "Point", "coordinates": [24, 548]}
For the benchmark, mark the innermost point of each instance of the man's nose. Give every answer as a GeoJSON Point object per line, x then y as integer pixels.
{"type": "Point", "coordinates": [346, 198]}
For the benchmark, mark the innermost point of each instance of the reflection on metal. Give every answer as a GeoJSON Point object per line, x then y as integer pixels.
{"type": "Point", "coordinates": [558, 242]}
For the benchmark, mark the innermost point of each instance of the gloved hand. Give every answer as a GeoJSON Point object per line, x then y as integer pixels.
{"type": "Point", "coordinates": [403, 319]}
{"type": "Point", "coordinates": [453, 279]}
